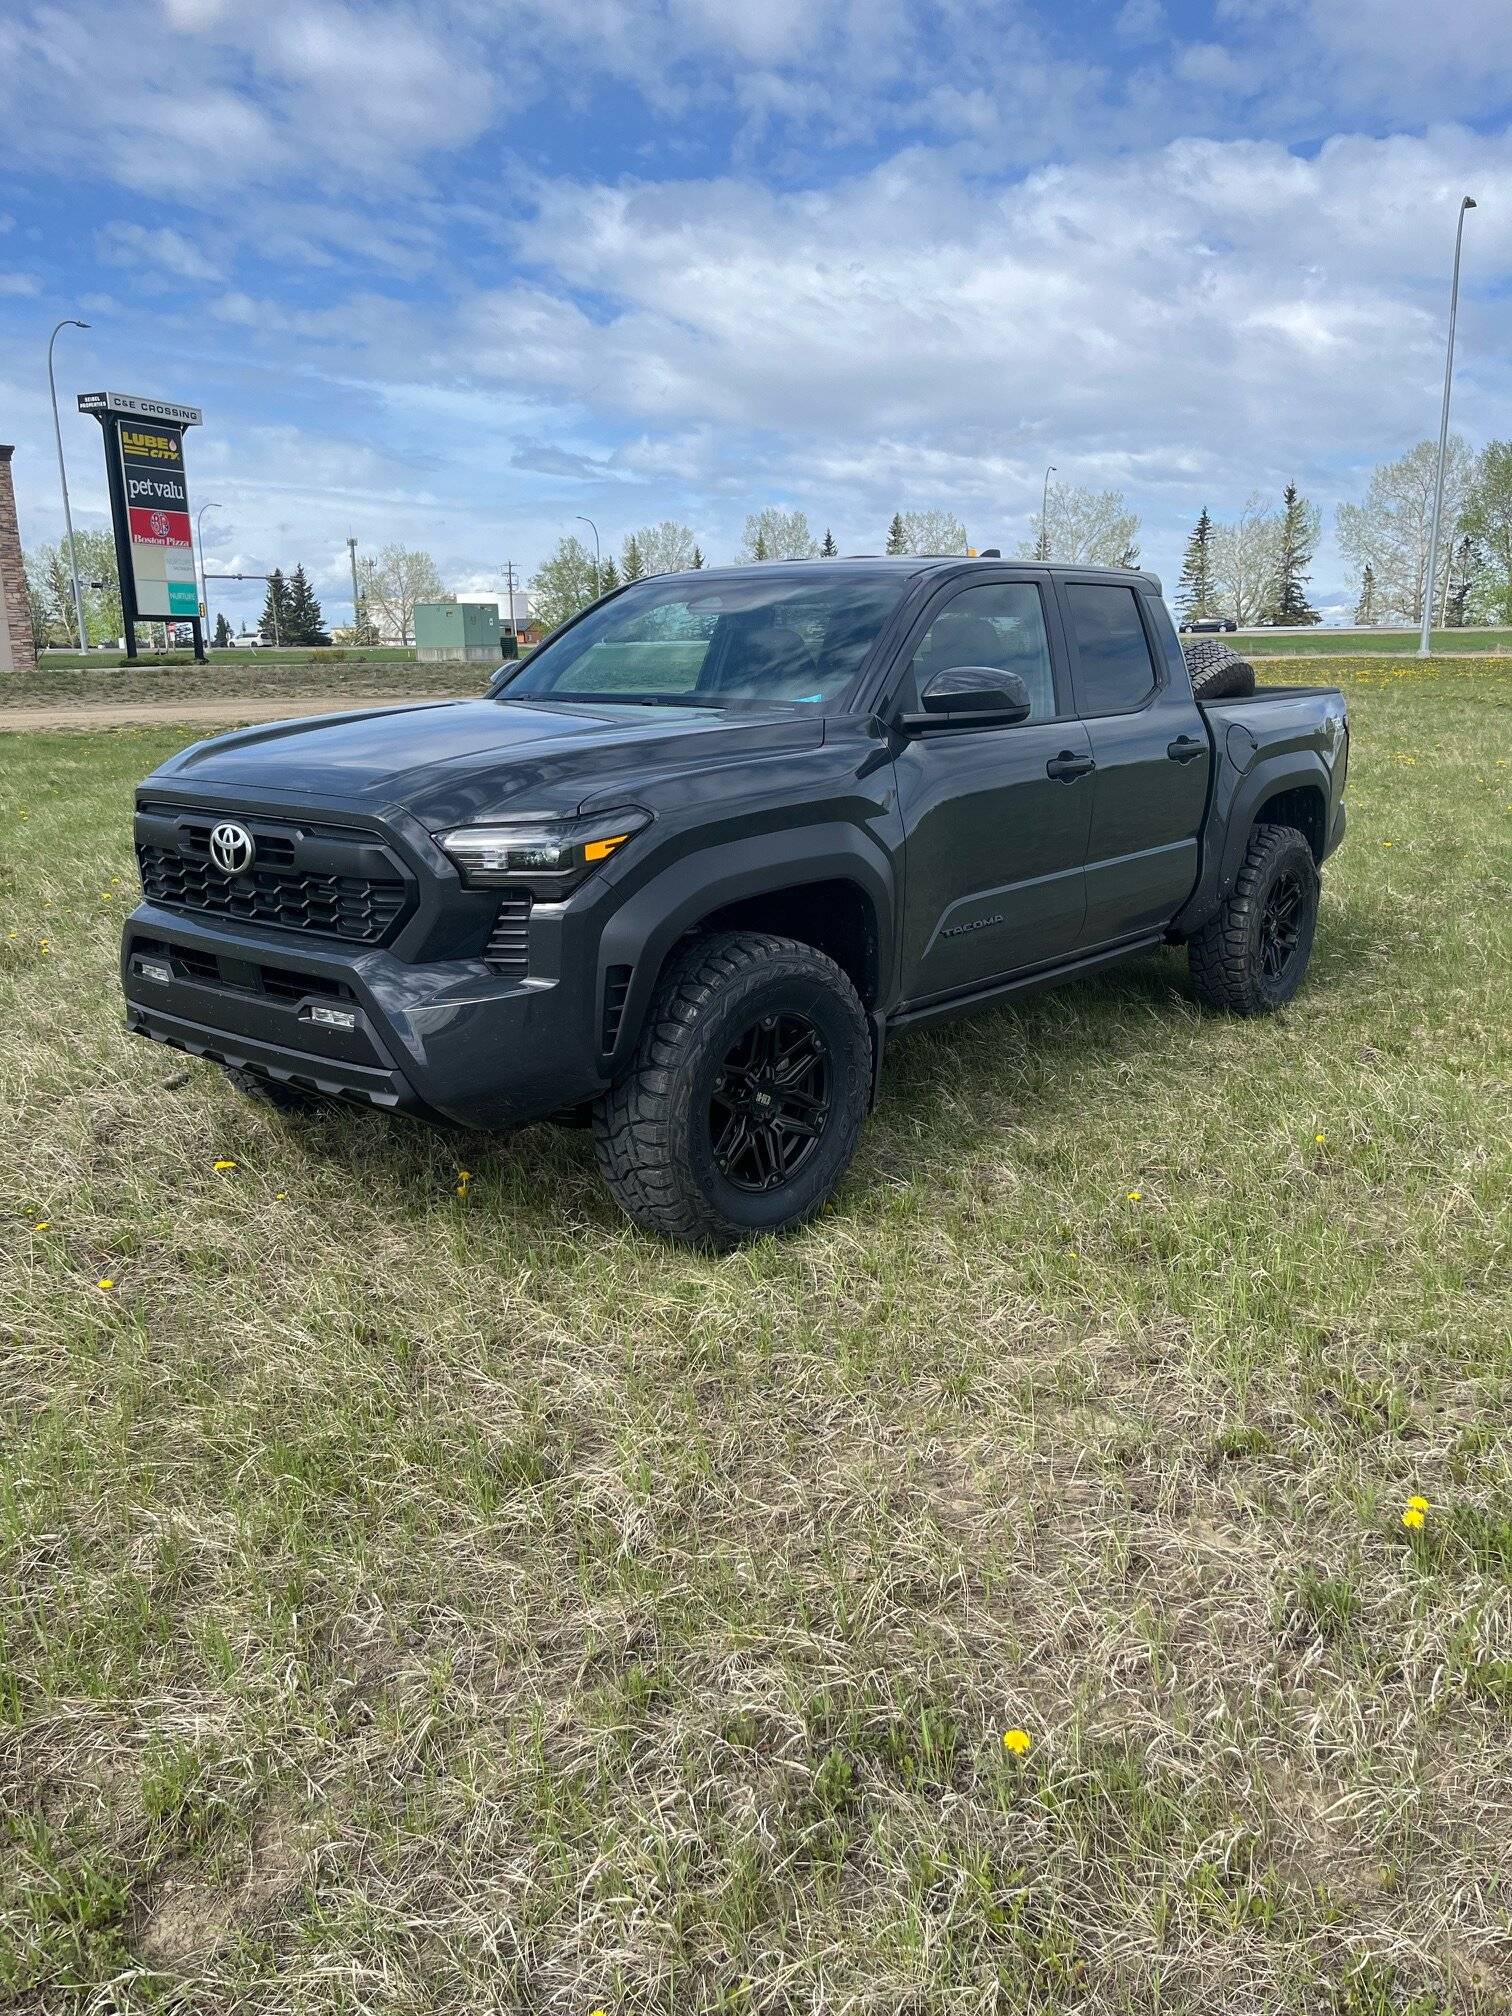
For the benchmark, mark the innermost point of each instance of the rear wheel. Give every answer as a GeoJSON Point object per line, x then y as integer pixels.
{"type": "Point", "coordinates": [746, 1096]}
{"type": "Point", "coordinates": [1253, 955]}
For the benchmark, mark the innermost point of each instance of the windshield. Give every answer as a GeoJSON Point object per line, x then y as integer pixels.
{"type": "Point", "coordinates": [787, 635]}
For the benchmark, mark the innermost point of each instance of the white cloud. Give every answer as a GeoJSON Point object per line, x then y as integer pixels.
{"type": "Point", "coordinates": [128, 244]}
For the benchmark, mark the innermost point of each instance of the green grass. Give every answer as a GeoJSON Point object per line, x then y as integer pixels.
{"type": "Point", "coordinates": [1389, 644]}
{"type": "Point", "coordinates": [438, 1603]}
{"type": "Point", "coordinates": [283, 655]}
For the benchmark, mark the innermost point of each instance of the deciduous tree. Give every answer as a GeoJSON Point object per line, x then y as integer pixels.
{"type": "Point", "coordinates": [1389, 532]}
{"type": "Point", "coordinates": [666, 548]}
{"type": "Point", "coordinates": [1244, 561]}
{"type": "Point", "coordinates": [929, 532]}
{"type": "Point", "coordinates": [563, 583]}
{"type": "Point", "coordinates": [1488, 522]}
{"type": "Point", "coordinates": [782, 535]}
{"type": "Point", "coordinates": [1089, 528]}
{"type": "Point", "coordinates": [393, 583]}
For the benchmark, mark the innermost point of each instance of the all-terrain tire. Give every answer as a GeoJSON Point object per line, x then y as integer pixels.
{"type": "Point", "coordinates": [1218, 672]}
{"type": "Point", "coordinates": [655, 1132]}
{"type": "Point", "coordinates": [273, 1092]}
{"type": "Point", "coordinates": [1251, 957]}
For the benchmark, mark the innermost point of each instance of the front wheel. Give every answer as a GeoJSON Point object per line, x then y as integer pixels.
{"type": "Point", "coordinates": [742, 1107]}
{"type": "Point", "coordinates": [1253, 955]}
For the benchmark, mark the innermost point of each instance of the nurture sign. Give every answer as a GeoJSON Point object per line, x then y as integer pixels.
{"type": "Point", "coordinates": [144, 455]}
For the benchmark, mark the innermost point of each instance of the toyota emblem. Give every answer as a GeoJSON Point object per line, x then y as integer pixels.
{"type": "Point", "coordinates": [231, 847]}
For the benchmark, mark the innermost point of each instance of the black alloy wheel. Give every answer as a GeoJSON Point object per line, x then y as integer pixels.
{"type": "Point", "coordinates": [1281, 924]}
{"type": "Point", "coordinates": [770, 1103]}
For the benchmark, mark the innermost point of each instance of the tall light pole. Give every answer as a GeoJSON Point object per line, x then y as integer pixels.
{"type": "Point", "coordinates": [1430, 584]}
{"type": "Point", "coordinates": [358, 625]}
{"type": "Point", "coordinates": [68, 322]}
{"type": "Point", "coordinates": [598, 572]}
{"type": "Point", "coordinates": [199, 540]}
{"type": "Point", "coordinates": [1044, 538]}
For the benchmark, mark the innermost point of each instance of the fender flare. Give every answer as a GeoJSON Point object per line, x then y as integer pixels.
{"type": "Point", "coordinates": [1291, 770]}
{"type": "Point", "coordinates": [643, 930]}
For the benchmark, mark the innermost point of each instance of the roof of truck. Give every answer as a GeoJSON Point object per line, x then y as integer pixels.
{"type": "Point", "coordinates": [907, 565]}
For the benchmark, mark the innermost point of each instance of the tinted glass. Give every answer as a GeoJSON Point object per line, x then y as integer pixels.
{"type": "Point", "coordinates": [1116, 673]}
{"type": "Point", "coordinates": [790, 635]}
{"type": "Point", "coordinates": [1001, 624]}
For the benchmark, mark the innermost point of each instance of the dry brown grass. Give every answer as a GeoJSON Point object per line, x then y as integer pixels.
{"type": "Point", "coordinates": [431, 1604]}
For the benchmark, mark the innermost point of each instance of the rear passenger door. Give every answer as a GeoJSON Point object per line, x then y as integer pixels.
{"type": "Point", "coordinates": [1152, 752]}
{"type": "Point", "coordinates": [995, 818]}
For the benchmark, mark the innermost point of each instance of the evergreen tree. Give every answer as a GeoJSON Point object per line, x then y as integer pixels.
{"type": "Point", "coordinates": [222, 632]}
{"type": "Point", "coordinates": [1194, 591]}
{"type": "Point", "coordinates": [274, 621]}
{"type": "Point", "coordinates": [1365, 607]}
{"type": "Point", "coordinates": [1463, 570]}
{"type": "Point", "coordinates": [610, 576]}
{"type": "Point", "coordinates": [304, 623]}
{"type": "Point", "coordinates": [1294, 550]}
{"type": "Point", "coordinates": [829, 549]}
{"type": "Point", "coordinates": [897, 535]}
{"type": "Point", "coordinates": [696, 563]}
{"type": "Point", "coordinates": [633, 564]}
{"type": "Point", "coordinates": [759, 547]}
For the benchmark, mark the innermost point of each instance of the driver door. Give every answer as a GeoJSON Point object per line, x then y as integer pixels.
{"type": "Point", "coordinates": [995, 820]}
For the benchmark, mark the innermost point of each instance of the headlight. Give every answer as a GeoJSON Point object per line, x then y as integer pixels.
{"type": "Point", "coordinates": [552, 856]}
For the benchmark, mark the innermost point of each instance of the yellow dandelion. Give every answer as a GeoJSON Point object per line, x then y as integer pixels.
{"type": "Point", "coordinates": [279, 1196]}
{"type": "Point", "coordinates": [105, 1284]}
{"type": "Point", "coordinates": [1017, 1742]}
{"type": "Point", "coordinates": [1320, 1139]}
{"type": "Point", "coordinates": [1385, 843]}
{"type": "Point", "coordinates": [42, 1225]}
{"type": "Point", "coordinates": [1412, 1518]}
{"type": "Point", "coordinates": [1416, 1504]}
{"type": "Point", "coordinates": [223, 1165]}
{"type": "Point", "coordinates": [1135, 1196]}
{"type": "Point", "coordinates": [44, 945]}
{"type": "Point", "coordinates": [464, 1175]}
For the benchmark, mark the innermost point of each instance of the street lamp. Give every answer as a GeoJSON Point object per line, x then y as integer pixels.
{"type": "Point", "coordinates": [68, 322]}
{"type": "Point", "coordinates": [598, 572]}
{"type": "Point", "coordinates": [199, 540]}
{"type": "Point", "coordinates": [1425, 641]}
{"type": "Point", "coordinates": [1044, 538]}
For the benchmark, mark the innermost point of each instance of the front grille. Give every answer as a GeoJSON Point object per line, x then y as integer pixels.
{"type": "Point", "coordinates": [508, 949]}
{"type": "Point", "coordinates": [335, 906]}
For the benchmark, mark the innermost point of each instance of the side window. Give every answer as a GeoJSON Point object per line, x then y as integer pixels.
{"type": "Point", "coordinates": [1001, 624]}
{"type": "Point", "coordinates": [1116, 672]}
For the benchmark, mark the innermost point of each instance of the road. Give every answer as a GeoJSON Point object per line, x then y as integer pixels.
{"type": "Point", "coordinates": [209, 713]}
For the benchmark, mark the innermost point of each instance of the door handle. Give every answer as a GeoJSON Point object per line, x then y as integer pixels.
{"type": "Point", "coordinates": [1184, 748]}
{"type": "Point", "coordinates": [1068, 766]}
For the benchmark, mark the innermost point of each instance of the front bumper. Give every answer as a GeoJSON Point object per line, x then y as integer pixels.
{"type": "Point", "coordinates": [451, 1041]}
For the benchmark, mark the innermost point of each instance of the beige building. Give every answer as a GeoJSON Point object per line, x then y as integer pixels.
{"type": "Point", "coordinates": [17, 652]}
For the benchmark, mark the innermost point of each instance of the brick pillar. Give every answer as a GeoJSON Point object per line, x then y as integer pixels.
{"type": "Point", "coordinates": [17, 652]}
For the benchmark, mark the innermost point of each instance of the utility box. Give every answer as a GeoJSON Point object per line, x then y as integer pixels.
{"type": "Point", "coordinates": [458, 630]}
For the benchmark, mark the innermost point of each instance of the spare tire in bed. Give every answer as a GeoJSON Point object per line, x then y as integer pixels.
{"type": "Point", "coordinates": [1218, 672]}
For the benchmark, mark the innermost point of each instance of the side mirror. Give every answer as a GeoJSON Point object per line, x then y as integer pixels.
{"type": "Point", "coordinates": [971, 696]}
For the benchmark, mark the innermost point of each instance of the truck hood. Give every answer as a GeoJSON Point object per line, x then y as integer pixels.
{"type": "Point", "coordinates": [457, 760]}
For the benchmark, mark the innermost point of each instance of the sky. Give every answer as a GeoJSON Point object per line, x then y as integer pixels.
{"type": "Point", "coordinates": [453, 274]}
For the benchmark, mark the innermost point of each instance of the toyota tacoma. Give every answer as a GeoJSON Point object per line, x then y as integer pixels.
{"type": "Point", "coordinates": [685, 870]}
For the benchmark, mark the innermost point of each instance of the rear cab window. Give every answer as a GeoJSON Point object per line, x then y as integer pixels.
{"type": "Point", "coordinates": [1115, 672]}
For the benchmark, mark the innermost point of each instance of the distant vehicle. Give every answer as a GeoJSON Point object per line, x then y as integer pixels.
{"type": "Point", "coordinates": [688, 867]}
{"type": "Point", "coordinates": [1196, 626]}
{"type": "Point", "coordinates": [249, 640]}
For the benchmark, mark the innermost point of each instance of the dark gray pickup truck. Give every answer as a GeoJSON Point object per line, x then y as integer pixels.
{"type": "Point", "coordinates": [686, 868]}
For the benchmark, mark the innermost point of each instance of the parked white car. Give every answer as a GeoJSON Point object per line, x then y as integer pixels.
{"type": "Point", "coordinates": [249, 640]}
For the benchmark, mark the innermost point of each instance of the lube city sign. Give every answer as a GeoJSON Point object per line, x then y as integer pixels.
{"type": "Point", "coordinates": [149, 504]}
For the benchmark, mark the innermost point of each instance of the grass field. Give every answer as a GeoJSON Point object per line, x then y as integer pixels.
{"type": "Point", "coordinates": [248, 673]}
{"type": "Point", "coordinates": [420, 1593]}
{"type": "Point", "coordinates": [1393, 644]}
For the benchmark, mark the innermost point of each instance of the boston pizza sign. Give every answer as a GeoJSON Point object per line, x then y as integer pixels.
{"type": "Point", "coordinates": [144, 454]}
